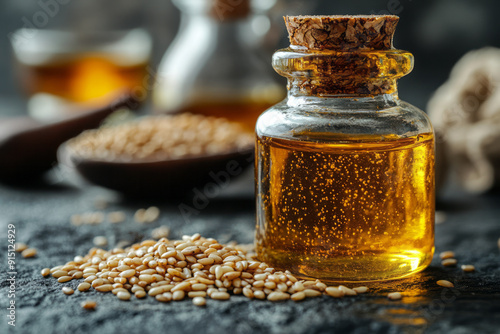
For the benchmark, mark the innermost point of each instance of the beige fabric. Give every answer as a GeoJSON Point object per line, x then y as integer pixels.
{"type": "Point", "coordinates": [466, 113]}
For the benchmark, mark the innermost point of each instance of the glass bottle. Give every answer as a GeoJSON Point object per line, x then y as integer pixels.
{"type": "Point", "coordinates": [211, 67]}
{"type": "Point", "coordinates": [344, 168]}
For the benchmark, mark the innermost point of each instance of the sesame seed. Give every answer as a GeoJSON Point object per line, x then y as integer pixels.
{"type": "Point", "coordinates": [19, 247]}
{"type": "Point", "coordinates": [334, 292]}
{"type": "Point", "coordinates": [83, 286]}
{"type": "Point", "coordinates": [140, 294]}
{"type": "Point", "coordinates": [220, 295]}
{"type": "Point", "coordinates": [59, 273]}
{"type": "Point", "coordinates": [277, 296]}
{"type": "Point", "coordinates": [447, 255]}
{"type": "Point", "coordinates": [310, 293]}
{"type": "Point", "coordinates": [100, 241]}
{"type": "Point", "coordinates": [468, 268]}
{"type": "Point", "coordinates": [361, 289]}
{"type": "Point", "coordinates": [394, 296]}
{"type": "Point", "coordinates": [199, 301]}
{"type": "Point", "coordinates": [67, 290]}
{"type": "Point", "coordinates": [29, 252]}
{"type": "Point", "coordinates": [347, 291]}
{"type": "Point", "coordinates": [123, 295]}
{"type": "Point", "coordinates": [298, 296]}
{"type": "Point", "coordinates": [160, 232]}
{"type": "Point", "coordinates": [64, 279]}
{"type": "Point", "coordinates": [449, 262]}
{"type": "Point", "coordinates": [45, 272]}
{"type": "Point", "coordinates": [445, 283]}
{"type": "Point", "coordinates": [89, 305]}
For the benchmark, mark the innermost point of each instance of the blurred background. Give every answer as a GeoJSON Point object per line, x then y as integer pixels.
{"type": "Point", "coordinates": [437, 32]}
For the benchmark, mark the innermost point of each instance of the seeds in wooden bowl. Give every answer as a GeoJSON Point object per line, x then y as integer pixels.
{"type": "Point", "coordinates": [162, 138]}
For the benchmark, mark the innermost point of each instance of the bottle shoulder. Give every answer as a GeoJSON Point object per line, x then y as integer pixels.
{"type": "Point", "coordinates": [342, 116]}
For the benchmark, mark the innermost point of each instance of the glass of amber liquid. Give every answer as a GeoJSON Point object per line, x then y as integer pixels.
{"type": "Point", "coordinates": [65, 67]}
{"type": "Point", "coordinates": [344, 168]}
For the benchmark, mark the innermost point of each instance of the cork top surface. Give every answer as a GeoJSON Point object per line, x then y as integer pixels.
{"type": "Point", "coordinates": [342, 32]}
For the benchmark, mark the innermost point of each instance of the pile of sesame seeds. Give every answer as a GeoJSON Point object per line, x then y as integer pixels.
{"type": "Point", "coordinates": [156, 138]}
{"type": "Point", "coordinates": [194, 267]}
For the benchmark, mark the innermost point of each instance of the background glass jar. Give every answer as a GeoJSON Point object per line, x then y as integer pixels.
{"type": "Point", "coordinates": [345, 169]}
{"type": "Point", "coordinates": [213, 68]}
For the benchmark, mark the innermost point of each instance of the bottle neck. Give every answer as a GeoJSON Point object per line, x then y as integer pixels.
{"type": "Point", "coordinates": [351, 102]}
{"type": "Point", "coordinates": [342, 74]}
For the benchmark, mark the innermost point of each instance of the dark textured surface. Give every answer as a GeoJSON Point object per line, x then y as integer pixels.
{"type": "Point", "coordinates": [41, 217]}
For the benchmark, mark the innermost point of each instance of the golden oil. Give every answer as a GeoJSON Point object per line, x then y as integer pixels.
{"type": "Point", "coordinates": [346, 208]}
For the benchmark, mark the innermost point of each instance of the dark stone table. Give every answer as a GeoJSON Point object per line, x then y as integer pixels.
{"type": "Point", "coordinates": [41, 214]}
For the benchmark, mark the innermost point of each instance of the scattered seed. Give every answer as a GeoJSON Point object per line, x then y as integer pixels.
{"type": "Point", "coordinates": [140, 294]}
{"type": "Point", "coordinates": [151, 214]}
{"type": "Point", "coordinates": [45, 272]}
{"type": "Point", "coordinates": [220, 295]}
{"type": "Point", "coordinates": [123, 295]}
{"type": "Point", "coordinates": [67, 290]}
{"type": "Point", "coordinates": [298, 296]}
{"type": "Point", "coordinates": [449, 262]}
{"type": "Point", "coordinates": [140, 216]}
{"type": "Point", "coordinates": [83, 286]}
{"type": "Point", "coordinates": [447, 255]}
{"type": "Point", "coordinates": [64, 279]}
{"type": "Point", "coordinates": [347, 291]}
{"type": "Point", "coordinates": [160, 232]}
{"type": "Point", "coordinates": [440, 217]}
{"type": "Point", "coordinates": [199, 301]}
{"type": "Point", "coordinates": [360, 289]}
{"type": "Point", "coordinates": [100, 241]}
{"type": "Point", "coordinates": [116, 217]}
{"type": "Point", "coordinates": [19, 247]}
{"type": "Point", "coordinates": [394, 296]}
{"type": "Point", "coordinates": [104, 288]}
{"type": "Point", "coordinates": [89, 305]}
{"type": "Point", "coordinates": [29, 252]}
{"type": "Point", "coordinates": [278, 295]}
{"type": "Point", "coordinates": [334, 292]}
{"type": "Point", "coordinates": [178, 295]}
{"type": "Point", "coordinates": [445, 283]}
{"type": "Point", "coordinates": [59, 273]}
{"type": "Point", "coordinates": [468, 268]}
{"type": "Point", "coordinates": [310, 293]}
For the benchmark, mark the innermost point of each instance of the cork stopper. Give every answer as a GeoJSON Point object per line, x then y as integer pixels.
{"type": "Point", "coordinates": [223, 10]}
{"type": "Point", "coordinates": [342, 33]}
